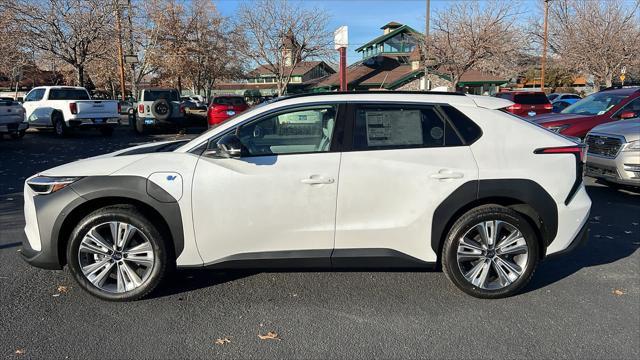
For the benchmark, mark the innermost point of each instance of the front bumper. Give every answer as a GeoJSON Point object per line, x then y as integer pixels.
{"type": "Point", "coordinates": [624, 169]}
{"type": "Point", "coordinates": [13, 128]}
{"type": "Point", "coordinates": [44, 215]}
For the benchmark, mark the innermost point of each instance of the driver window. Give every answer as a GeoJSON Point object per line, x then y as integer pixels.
{"type": "Point", "coordinates": [307, 130]}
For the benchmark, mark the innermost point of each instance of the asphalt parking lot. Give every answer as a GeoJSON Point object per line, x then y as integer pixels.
{"type": "Point", "coordinates": [583, 305]}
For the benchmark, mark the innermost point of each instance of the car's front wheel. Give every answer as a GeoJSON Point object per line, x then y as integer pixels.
{"type": "Point", "coordinates": [116, 253]}
{"type": "Point", "coordinates": [490, 252]}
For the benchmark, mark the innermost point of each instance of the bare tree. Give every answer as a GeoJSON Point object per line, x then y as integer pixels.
{"type": "Point", "coordinates": [280, 34]}
{"type": "Point", "coordinates": [14, 54]}
{"type": "Point", "coordinates": [71, 30]}
{"type": "Point", "coordinates": [597, 38]}
{"type": "Point", "coordinates": [472, 35]}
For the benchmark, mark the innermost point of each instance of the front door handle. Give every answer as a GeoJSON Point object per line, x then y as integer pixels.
{"type": "Point", "coordinates": [447, 174]}
{"type": "Point", "coordinates": [317, 179]}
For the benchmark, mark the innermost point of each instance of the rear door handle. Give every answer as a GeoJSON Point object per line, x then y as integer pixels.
{"type": "Point", "coordinates": [447, 174]}
{"type": "Point", "coordinates": [317, 179]}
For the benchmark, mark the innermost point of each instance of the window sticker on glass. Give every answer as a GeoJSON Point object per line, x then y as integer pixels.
{"type": "Point", "coordinates": [398, 127]}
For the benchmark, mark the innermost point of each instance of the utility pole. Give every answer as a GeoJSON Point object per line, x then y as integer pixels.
{"type": "Point", "coordinates": [544, 43]}
{"type": "Point", "coordinates": [134, 84]}
{"type": "Point", "coordinates": [426, 47]}
{"type": "Point", "coordinates": [120, 53]}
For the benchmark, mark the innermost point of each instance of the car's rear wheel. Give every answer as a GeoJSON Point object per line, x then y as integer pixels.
{"type": "Point", "coordinates": [138, 126]}
{"type": "Point", "coordinates": [18, 135]}
{"type": "Point", "coordinates": [491, 252]}
{"type": "Point", "coordinates": [117, 254]}
{"type": "Point", "coordinates": [59, 126]}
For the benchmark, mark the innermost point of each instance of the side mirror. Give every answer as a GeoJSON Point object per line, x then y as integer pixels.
{"type": "Point", "coordinates": [628, 115]}
{"type": "Point", "coordinates": [229, 146]}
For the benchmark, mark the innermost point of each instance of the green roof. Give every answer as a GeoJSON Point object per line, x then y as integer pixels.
{"type": "Point", "coordinates": [391, 34]}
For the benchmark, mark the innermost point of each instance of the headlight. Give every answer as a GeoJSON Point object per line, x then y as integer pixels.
{"type": "Point", "coordinates": [46, 185]}
{"type": "Point", "coordinates": [632, 146]}
{"type": "Point", "coordinates": [558, 129]}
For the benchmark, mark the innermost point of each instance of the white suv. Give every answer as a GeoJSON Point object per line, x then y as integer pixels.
{"type": "Point", "coordinates": [325, 181]}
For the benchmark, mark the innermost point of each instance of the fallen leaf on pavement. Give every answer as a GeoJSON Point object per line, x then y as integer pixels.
{"type": "Point", "coordinates": [618, 292]}
{"type": "Point", "coordinates": [20, 351]}
{"type": "Point", "coordinates": [222, 341]}
{"type": "Point", "coordinates": [62, 289]}
{"type": "Point", "coordinates": [271, 335]}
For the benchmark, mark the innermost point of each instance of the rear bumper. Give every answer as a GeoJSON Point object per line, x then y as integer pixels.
{"type": "Point", "coordinates": [93, 123]}
{"type": "Point", "coordinates": [13, 128]}
{"type": "Point", "coordinates": [579, 240]}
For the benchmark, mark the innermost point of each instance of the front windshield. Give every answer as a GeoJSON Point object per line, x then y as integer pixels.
{"type": "Point", "coordinates": [595, 104]}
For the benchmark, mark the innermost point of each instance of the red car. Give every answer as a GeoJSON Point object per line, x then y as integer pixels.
{"type": "Point", "coordinates": [608, 105]}
{"type": "Point", "coordinates": [527, 103]}
{"type": "Point", "coordinates": [223, 107]}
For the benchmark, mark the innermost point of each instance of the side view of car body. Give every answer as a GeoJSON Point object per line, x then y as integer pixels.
{"type": "Point", "coordinates": [605, 106]}
{"type": "Point", "coordinates": [12, 118]}
{"type": "Point", "coordinates": [327, 181]}
{"type": "Point", "coordinates": [614, 152]}
{"type": "Point", "coordinates": [526, 103]}
{"type": "Point", "coordinates": [158, 107]}
{"type": "Point", "coordinates": [223, 107]}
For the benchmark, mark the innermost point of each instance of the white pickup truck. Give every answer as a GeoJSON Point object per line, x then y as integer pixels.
{"type": "Point", "coordinates": [12, 118]}
{"type": "Point", "coordinates": [66, 107]}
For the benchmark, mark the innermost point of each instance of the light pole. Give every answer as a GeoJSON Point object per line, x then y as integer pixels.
{"type": "Point", "coordinates": [120, 52]}
{"type": "Point", "coordinates": [426, 47]}
{"type": "Point", "coordinates": [544, 43]}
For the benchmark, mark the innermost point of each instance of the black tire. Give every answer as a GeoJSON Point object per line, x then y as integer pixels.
{"type": "Point", "coordinates": [478, 215]}
{"type": "Point", "coordinates": [18, 135]}
{"type": "Point", "coordinates": [106, 130]}
{"type": "Point", "coordinates": [59, 126]}
{"type": "Point", "coordinates": [138, 126]}
{"type": "Point", "coordinates": [130, 215]}
{"type": "Point", "coordinates": [161, 109]}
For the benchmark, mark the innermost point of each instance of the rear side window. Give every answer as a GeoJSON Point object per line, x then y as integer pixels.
{"type": "Point", "coordinates": [469, 130]}
{"type": "Point", "coordinates": [571, 96]}
{"type": "Point", "coordinates": [228, 100]}
{"type": "Point", "coordinates": [398, 127]}
{"type": "Point", "coordinates": [68, 94]}
{"type": "Point", "coordinates": [153, 95]}
{"type": "Point", "coordinates": [530, 99]}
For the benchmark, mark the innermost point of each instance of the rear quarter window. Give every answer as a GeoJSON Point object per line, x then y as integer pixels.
{"type": "Point", "coordinates": [468, 130]}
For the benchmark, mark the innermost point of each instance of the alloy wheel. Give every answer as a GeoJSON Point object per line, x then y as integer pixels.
{"type": "Point", "coordinates": [492, 254]}
{"type": "Point", "coordinates": [116, 257]}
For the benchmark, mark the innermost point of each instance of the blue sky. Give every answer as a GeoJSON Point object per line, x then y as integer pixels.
{"type": "Point", "coordinates": [363, 17]}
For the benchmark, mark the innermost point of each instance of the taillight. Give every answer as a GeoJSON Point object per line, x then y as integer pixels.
{"type": "Point", "coordinates": [580, 152]}
{"type": "Point", "coordinates": [182, 108]}
{"type": "Point", "coordinates": [514, 107]}
{"type": "Point", "coordinates": [73, 107]}
{"type": "Point", "coordinates": [548, 106]}
{"type": "Point", "coordinates": [119, 108]}
{"type": "Point", "coordinates": [140, 108]}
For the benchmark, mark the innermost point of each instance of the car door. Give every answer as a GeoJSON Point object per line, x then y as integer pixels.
{"type": "Point", "coordinates": [33, 113]}
{"type": "Point", "coordinates": [279, 200]}
{"type": "Point", "coordinates": [404, 160]}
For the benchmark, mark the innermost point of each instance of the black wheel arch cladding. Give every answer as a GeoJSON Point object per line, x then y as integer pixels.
{"type": "Point", "coordinates": [136, 188]}
{"type": "Point", "coordinates": [520, 191]}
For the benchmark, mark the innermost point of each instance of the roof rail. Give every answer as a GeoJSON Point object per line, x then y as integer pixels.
{"type": "Point", "coordinates": [284, 97]}
{"type": "Point", "coordinates": [618, 87]}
